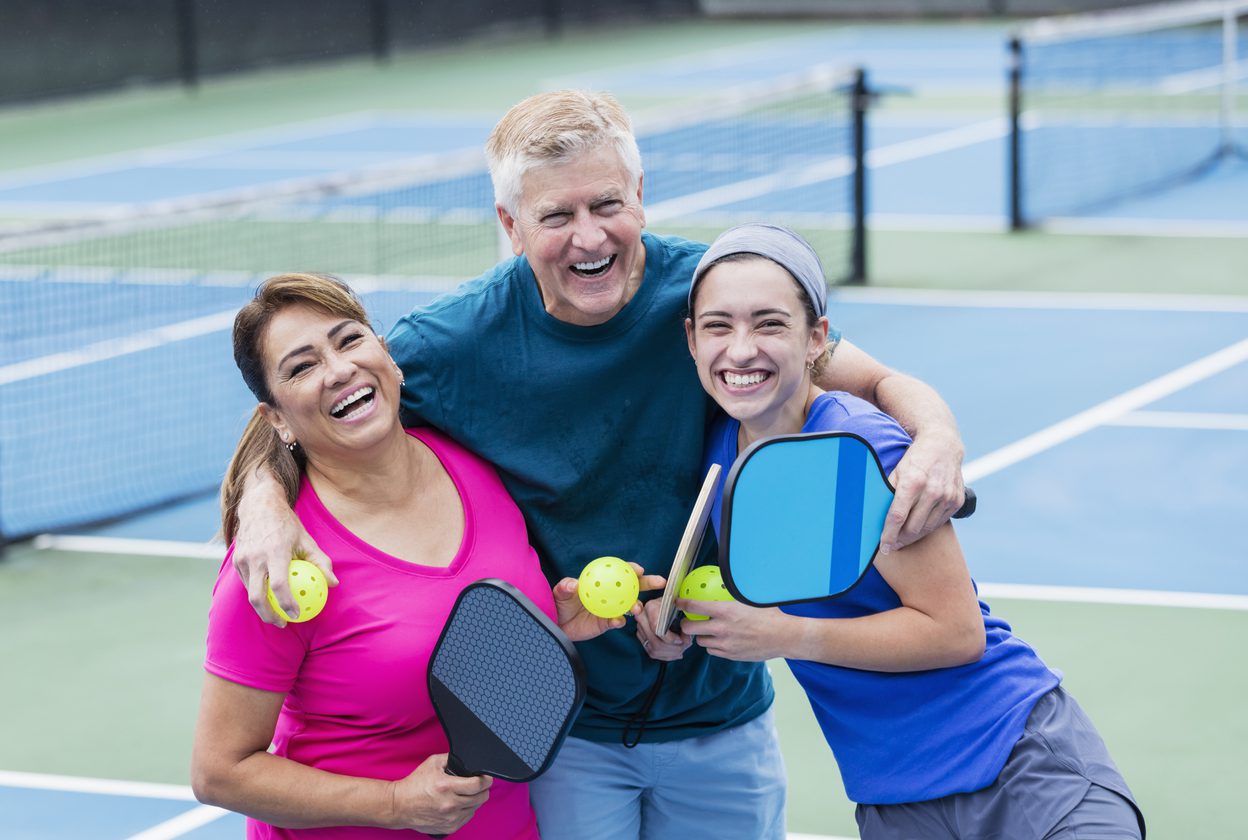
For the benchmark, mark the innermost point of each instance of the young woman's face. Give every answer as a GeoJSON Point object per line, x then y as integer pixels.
{"type": "Point", "coordinates": [335, 386]}
{"type": "Point", "coordinates": [752, 345]}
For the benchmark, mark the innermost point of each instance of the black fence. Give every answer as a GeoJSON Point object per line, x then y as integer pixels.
{"type": "Point", "coordinates": [58, 47]}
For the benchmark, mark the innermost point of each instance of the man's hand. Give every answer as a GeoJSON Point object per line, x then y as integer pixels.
{"type": "Point", "coordinates": [666, 647]}
{"type": "Point", "coordinates": [269, 536]}
{"type": "Point", "coordinates": [928, 480]}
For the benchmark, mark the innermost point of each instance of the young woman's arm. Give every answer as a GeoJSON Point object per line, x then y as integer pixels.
{"type": "Point", "coordinates": [231, 768]}
{"type": "Point", "coordinates": [939, 624]}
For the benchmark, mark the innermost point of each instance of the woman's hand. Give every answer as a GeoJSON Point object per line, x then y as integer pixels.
{"type": "Point", "coordinates": [579, 623]}
{"type": "Point", "coordinates": [432, 801]}
{"type": "Point", "coordinates": [736, 631]}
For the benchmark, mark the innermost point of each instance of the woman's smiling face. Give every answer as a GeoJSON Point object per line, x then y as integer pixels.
{"type": "Point", "coordinates": [750, 338]}
{"type": "Point", "coordinates": [335, 386]}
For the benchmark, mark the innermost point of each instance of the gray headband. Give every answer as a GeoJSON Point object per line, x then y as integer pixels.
{"type": "Point", "coordinates": [780, 245]}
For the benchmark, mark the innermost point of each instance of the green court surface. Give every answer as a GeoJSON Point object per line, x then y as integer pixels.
{"type": "Point", "coordinates": [102, 663]}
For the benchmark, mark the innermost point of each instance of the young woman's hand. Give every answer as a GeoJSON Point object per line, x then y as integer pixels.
{"type": "Point", "coordinates": [733, 630]}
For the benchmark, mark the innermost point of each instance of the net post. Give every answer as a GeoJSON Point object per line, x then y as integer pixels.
{"type": "Point", "coordinates": [861, 101]}
{"type": "Point", "coordinates": [1017, 222]}
{"type": "Point", "coordinates": [379, 29]}
{"type": "Point", "coordinates": [188, 43]}
{"type": "Point", "coordinates": [1230, 50]}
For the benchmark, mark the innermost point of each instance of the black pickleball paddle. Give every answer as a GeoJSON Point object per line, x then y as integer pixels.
{"type": "Point", "coordinates": [506, 684]}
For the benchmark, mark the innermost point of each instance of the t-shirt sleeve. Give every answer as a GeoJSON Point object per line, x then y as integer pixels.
{"type": "Point", "coordinates": [241, 647]}
{"type": "Point", "coordinates": [885, 435]}
{"type": "Point", "coordinates": [421, 402]}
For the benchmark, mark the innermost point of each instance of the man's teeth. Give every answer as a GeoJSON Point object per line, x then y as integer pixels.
{"type": "Point", "coordinates": [592, 266]}
{"type": "Point", "coordinates": [739, 380]}
{"type": "Point", "coordinates": [340, 408]}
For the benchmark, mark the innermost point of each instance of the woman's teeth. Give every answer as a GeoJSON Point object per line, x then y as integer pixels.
{"type": "Point", "coordinates": [738, 380]}
{"type": "Point", "coordinates": [340, 409]}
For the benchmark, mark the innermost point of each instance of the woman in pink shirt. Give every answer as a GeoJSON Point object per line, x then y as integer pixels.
{"type": "Point", "coordinates": [409, 519]}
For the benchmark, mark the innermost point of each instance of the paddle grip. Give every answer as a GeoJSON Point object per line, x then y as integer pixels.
{"type": "Point", "coordinates": [454, 767]}
{"type": "Point", "coordinates": [968, 505]}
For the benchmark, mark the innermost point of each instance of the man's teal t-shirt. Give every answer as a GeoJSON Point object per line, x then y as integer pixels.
{"type": "Point", "coordinates": [597, 433]}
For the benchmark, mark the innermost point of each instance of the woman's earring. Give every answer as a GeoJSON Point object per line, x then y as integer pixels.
{"type": "Point", "coordinates": [290, 444]}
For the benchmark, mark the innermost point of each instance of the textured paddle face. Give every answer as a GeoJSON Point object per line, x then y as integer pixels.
{"type": "Point", "coordinates": [802, 518]}
{"type": "Point", "coordinates": [506, 684]}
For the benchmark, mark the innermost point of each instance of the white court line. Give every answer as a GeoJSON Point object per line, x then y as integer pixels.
{"type": "Point", "coordinates": [120, 545]}
{"type": "Point", "coordinates": [837, 167]}
{"type": "Point", "coordinates": [167, 154]}
{"type": "Point", "coordinates": [1128, 597]}
{"type": "Point", "coordinates": [1111, 409]}
{"type": "Point", "coordinates": [182, 824]}
{"type": "Point", "coordinates": [109, 787]}
{"type": "Point", "coordinates": [1194, 80]}
{"type": "Point", "coordinates": [176, 827]}
{"type": "Point", "coordinates": [1183, 420]}
{"type": "Point", "coordinates": [1022, 592]}
{"type": "Point", "coordinates": [183, 330]}
{"type": "Point", "coordinates": [114, 347]}
{"type": "Point", "coordinates": [966, 298]}
{"type": "Point", "coordinates": [1183, 228]}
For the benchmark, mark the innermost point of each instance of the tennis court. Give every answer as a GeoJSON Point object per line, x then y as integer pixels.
{"type": "Point", "coordinates": [1098, 375]}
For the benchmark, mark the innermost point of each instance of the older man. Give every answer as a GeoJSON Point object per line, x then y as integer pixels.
{"type": "Point", "coordinates": [566, 367]}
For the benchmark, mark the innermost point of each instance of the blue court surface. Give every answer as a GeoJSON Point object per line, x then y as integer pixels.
{"type": "Point", "coordinates": [1105, 434]}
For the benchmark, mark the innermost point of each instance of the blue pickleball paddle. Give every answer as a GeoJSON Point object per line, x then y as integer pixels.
{"type": "Point", "coordinates": [802, 517]}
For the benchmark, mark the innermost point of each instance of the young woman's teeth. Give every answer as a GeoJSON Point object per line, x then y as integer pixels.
{"type": "Point", "coordinates": [593, 267]}
{"type": "Point", "coordinates": [340, 409]}
{"type": "Point", "coordinates": [738, 380]}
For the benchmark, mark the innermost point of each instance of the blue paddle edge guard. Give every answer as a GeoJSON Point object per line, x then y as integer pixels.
{"type": "Point", "coordinates": [776, 548]}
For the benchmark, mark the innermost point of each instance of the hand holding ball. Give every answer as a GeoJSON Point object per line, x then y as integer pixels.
{"type": "Point", "coordinates": [703, 584]}
{"type": "Point", "coordinates": [307, 584]}
{"type": "Point", "coordinates": [608, 587]}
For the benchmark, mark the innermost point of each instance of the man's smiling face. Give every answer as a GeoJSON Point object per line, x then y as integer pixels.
{"type": "Point", "coordinates": [579, 224]}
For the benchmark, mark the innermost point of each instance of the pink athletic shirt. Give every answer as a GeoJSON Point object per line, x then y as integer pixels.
{"type": "Point", "coordinates": [355, 676]}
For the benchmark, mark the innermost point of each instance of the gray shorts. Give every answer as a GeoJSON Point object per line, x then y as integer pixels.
{"type": "Point", "coordinates": [1059, 783]}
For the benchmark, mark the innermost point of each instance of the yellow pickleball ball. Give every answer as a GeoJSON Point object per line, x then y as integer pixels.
{"type": "Point", "coordinates": [307, 584]}
{"type": "Point", "coordinates": [704, 584]}
{"type": "Point", "coordinates": [608, 587]}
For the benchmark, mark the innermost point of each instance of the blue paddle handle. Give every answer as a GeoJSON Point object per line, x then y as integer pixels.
{"type": "Point", "coordinates": [968, 505]}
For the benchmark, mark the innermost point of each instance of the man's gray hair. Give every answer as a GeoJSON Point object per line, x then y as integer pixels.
{"type": "Point", "coordinates": [555, 128]}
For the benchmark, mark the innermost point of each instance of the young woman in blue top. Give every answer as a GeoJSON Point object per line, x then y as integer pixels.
{"type": "Point", "coordinates": [943, 723]}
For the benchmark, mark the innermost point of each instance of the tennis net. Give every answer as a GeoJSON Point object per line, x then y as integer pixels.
{"type": "Point", "coordinates": [1110, 105]}
{"type": "Point", "coordinates": [118, 391]}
